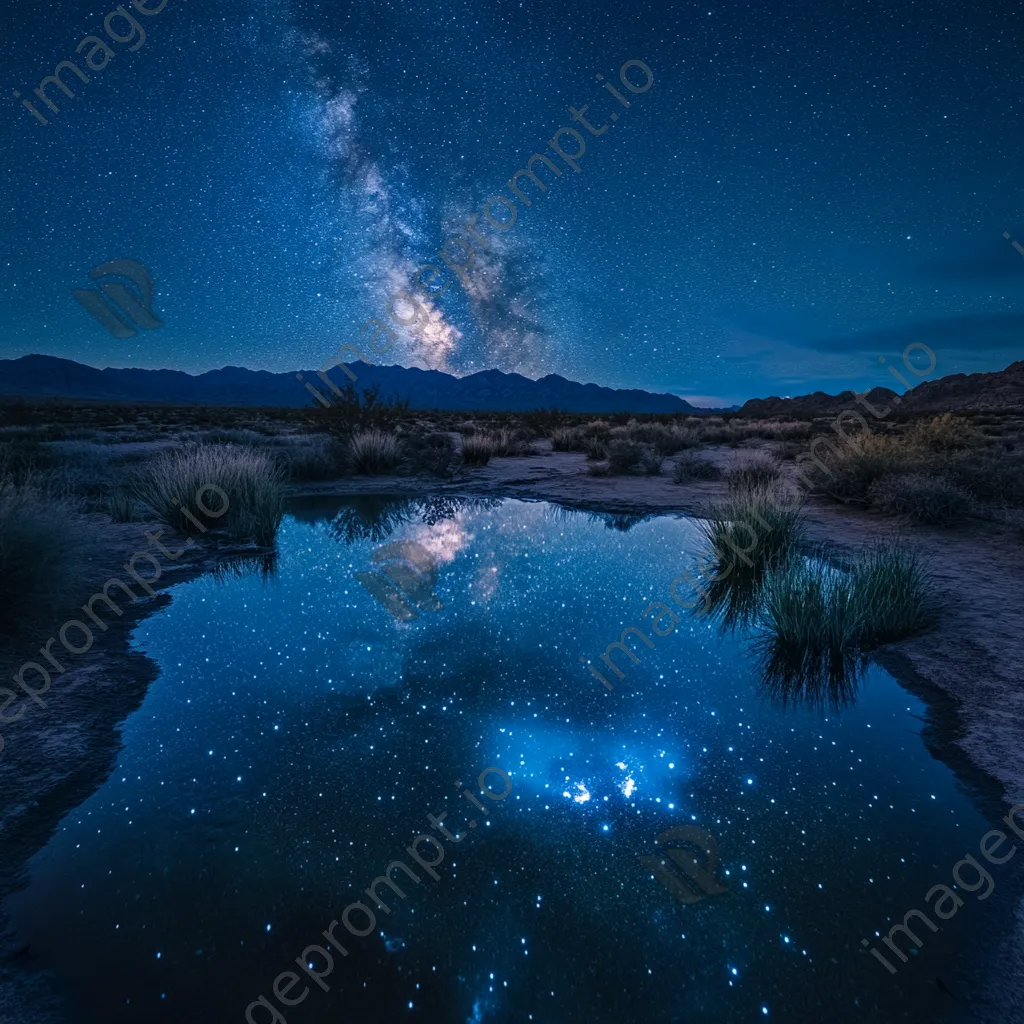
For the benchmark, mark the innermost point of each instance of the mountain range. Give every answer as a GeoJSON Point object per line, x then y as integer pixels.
{"type": "Point", "coordinates": [957, 392]}
{"type": "Point", "coordinates": [39, 376]}
{"type": "Point", "coordinates": [49, 377]}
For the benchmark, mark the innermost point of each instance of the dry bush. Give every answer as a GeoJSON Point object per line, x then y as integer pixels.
{"type": "Point", "coordinates": [253, 482]}
{"type": "Point", "coordinates": [373, 452]}
{"type": "Point", "coordinates": [690, 467]}
{"type": "Point", "coordinates": [567, 439]}
{"type": "Point", "coordinates": [477, 449]}
{"type": "Point", "coordinates": [927, 499]}
{"type": "Point", "coordinates": [40, 551]}
{"type": "Point", "coordinates": [756, 470]}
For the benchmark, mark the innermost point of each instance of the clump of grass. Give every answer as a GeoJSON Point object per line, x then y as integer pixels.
{"type": "Point", "coordinates": [477, 449]}
{"type": "Point", "coordinates": [432, 453]}
{"type": "Point", "coordinates": [894, 594]}
{"type": "Point", "coordinates": [252, 480]}
{"type": "Point", "coordinates": [120, 505]}
{"type": "Point", "coordinates": [631, 456]}
{"type": "Point", "coordinates": [818, 621]}
{"type": "Point", "coordinates": [373, 452]}
{"type": "Point", "coordinates": [757, 470]}
{"type": "Point", "coordinates": [754, 527]}
{"type": "Point", "coordinates": [39, 550]}
{"type": "Point", "coordinates": [810, 624]}
{"type": "Point", "coordinates": [567, 439]}
{"type": "Point", "coordinates": [315, 458]}
{"type": "Point", "coordinates": [690, 467]}
{"type": "Point", "coordinates": [927, 499]}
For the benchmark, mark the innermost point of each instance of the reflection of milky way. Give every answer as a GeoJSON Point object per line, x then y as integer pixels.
{"type": "Point", "coordinates": [298, 737]}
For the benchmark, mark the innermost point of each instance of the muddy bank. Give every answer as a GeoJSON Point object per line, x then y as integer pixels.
{"type": "Point", "coordinates": [54, 757]}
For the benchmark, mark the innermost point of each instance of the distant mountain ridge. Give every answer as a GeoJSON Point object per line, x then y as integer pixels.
{"type": "Point", "coordinates": [959, 392]}
{"type": "Point", "coordinates": [39, 376]}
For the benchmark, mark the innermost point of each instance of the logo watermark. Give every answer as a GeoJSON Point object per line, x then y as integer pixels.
{"type": "Point", "coordinates": [117, 307]}
{"type": "Point", "coordinates": [699, 874]}
{"type": "Point", "coordinates": [405, 586]}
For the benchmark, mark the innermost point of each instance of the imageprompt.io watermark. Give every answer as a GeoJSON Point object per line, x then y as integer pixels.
{"type": "Point", "coordinates": [679, 844]}
{"type": "Point", "coordinates": [117, 307]}
{"type": "Point", "coordinates": [121, 27]}
{"type": "Point", "coordinates": [405, 584]}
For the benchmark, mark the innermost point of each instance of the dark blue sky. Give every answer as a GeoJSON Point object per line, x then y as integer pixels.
{"type": "Point", "coordinates": [804, 188]}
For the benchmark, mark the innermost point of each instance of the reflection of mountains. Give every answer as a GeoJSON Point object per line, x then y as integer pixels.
{"type": "Point", "coordinates": [375, 517]}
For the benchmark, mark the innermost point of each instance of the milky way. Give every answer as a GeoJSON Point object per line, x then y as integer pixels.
{"type": "Point", "coordinates": [804, 188]}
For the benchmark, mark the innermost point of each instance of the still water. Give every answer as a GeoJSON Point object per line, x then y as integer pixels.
{"type": "Point", "coordinates": [300, 733]}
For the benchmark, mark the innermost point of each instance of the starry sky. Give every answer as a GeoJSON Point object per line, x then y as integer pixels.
{"type": "Point", "coordinates": [801, 189]}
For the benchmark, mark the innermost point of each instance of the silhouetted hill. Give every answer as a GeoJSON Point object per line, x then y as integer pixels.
{"type": "Point", "coordinates": [959, 392]}
{"type": "Point", "coordinates": [38, 376]}
{"type": "Point", "coordinates": [816, 404]}
{"type": "Point", "coordinates": [1003, 389]}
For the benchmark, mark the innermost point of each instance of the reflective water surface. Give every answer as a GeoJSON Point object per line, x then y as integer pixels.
{"type": "Point", "coordinates": [303, 728]}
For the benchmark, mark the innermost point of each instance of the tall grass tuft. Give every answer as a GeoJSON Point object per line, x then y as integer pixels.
{"type": "Point", "coordinates": [477, 449]}
{"type": "Point", "coordinates": [811, 621]}
{"type": "Point", "coordinates": [756, 470]}
{"type": "Point", "coordinates": [895, 595]}
{"type": "Point", "coordinates": [690, 467]}
{"type": "Point", "coordinates": [754, 527]}
{"type": "Point", "coordinates": [373, 452]}
{"type": "Point", "coordinates": [818, 622]}
{"type": "Point", "coordinates": [926, 499]}
{"type": "Point", "coordinates": [253, 482]}
{"type": "Point", "coordinates": [40, 549]}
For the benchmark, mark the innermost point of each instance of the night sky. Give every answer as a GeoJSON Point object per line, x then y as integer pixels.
{"type": "Point", "coordinates": [804, 187]}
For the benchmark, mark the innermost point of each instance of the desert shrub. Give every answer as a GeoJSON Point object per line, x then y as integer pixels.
{"type": "Point", "coordinates": [541, 422]}
{"type": "Point", "coordinates": [943, 433]}
{"type": "Point", "coordinates": [651, 462]}
{"type": "Point", "coordinates": [120, 505]}
{"type": "Point", "coordinates": [253, 482]}
{"type": "Point", "coordinates": [506, 443]}
{"type": "Point", "coordinates": [40, 550]}
{"type": "Point", "coordinates": [809, 628]}
{"type": "Point", "coordinates": [667, 440]}
{"type": "Point", "coordinates": [990, 476]}
{"type": "Point", "coordinates": [927, 499]}
{"type": "Point", "coordinates": [23, 457]}
{"type": "Point", "coordinates": [893, 593]}
{"type": "Point", "coordinates": [756, 470]}
{"type": "Point", "coordinates": [625, 456]}
{"type": "Point", "coordinates": [353, 409]}
{"type": "Point", "coordinates": [567, 439]}
{"type": "Point", "coordinates": [477, 449]}
{"type": "Point", "coordinates": [316, 458]}
{"type": "Point", "coordinates": [595, 449]}
{"type": "Point", "coordinates": [846, 471]}
{"type": "Point", "coordinates": [432, 453]}
{"type": "Point", "coordinates": [690, 467]}
{"type": "Point", "coordinates": [373, 452]}
{"type": "Point", "coordinates": [754, 527]}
